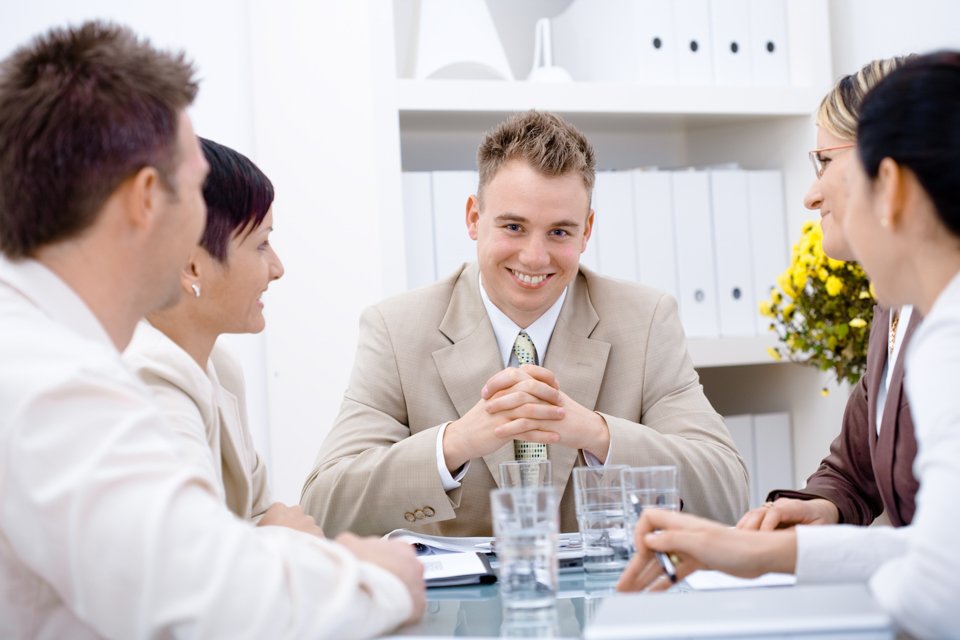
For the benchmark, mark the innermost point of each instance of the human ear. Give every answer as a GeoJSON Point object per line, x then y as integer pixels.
{"type": "Point", "coordinates": [473, 215]}
{"type": "Point", "coordinates": [889, 196]}
{"type": "Point", "coordinates": [587, 230]}
{"type": "Point", "coordinates": [144, 197]}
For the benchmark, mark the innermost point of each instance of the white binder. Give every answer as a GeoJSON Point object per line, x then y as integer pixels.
{"type": "Point", "coordinates": [694, 46]}
{"type": "Point", "coordinates": [769, 49]}
{"type": "Point", "coordinates": [741, 430]}
{"type": "Point", "coordinates": [655, 42]}
{"type": "Point", "coordinates": [418, 228]}
{"type": "Point", "coordinates": [613, 232]}
{"type": "Point", "coordinates": [592, 40]}
{"type": "Point", "coordinates": [696, 284]}
{"type": "Point", "coordinates": [453, 244]}
{"type": "Point", "coordinates": [655, 242]}
{"type": "Point", "coordinates": [773, 453]}
{"type": "Point", "coordinates": [731, 235]}
{"type": "Point", "coordinates": [768, 238]}
{"type": "Point", "coordinates": [730, 22]}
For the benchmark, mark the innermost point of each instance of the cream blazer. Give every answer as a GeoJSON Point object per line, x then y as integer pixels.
{"type": "Point", "coordinates": [618, 348]}
{"type": "Point", "coordinates": [208, 412]}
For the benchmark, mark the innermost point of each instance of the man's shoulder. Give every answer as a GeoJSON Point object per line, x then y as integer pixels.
{"type": "Point", "coordinates": [612, 293]}
{"type": "Point", "coordinates": [423, 302]}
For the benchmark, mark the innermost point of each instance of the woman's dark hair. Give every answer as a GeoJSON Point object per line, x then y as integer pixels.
{"type": "Point", "coordinates": [238, 196]}
{"type": "Point", "coordinates": [913, 117]}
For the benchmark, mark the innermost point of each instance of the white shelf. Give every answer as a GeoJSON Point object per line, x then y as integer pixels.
{"type": "Point", "coordinates": [731, 351]}
{"type": "Point", "coordinates": [439, 101]}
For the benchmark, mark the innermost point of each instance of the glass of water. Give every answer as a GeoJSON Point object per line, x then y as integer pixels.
{"type": "Point", "coordinates": [525, 523]}
{"type": "Point", "coordinates": [599, 500]}
{"type": "Point", "coordinates": [524, 473]}
{"type": "Point", "coordinates": [645, 487]}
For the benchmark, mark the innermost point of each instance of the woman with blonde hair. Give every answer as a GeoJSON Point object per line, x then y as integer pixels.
{"type": "Point", "coordinates": [869, 468]}
{"type": "Point", "coordinates": [903, 225]}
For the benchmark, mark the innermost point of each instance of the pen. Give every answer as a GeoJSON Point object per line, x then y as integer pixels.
{"type": "Point", "coordinates": [667, 564]}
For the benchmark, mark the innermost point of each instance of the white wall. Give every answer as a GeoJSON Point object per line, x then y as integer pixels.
{"type": "Point", "coordinates": [866, 29]}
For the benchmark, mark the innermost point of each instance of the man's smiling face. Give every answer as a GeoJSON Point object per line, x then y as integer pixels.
{"type": "Point", "coordinates": [530, 234]}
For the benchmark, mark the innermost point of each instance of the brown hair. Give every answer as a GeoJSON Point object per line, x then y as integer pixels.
{"type": "Point", "coordinates": [544, 140]}
{"type": "Point", "coordinates": [840, 108]}
{"type": "Point", "coordinates": [81, 110]}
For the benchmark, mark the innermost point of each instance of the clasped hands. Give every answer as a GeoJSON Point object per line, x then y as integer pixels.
{"type": "Point", "coordinates": [524, 403]}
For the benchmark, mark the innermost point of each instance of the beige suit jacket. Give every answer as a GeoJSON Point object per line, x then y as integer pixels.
{"type": "Point", "coordinates": [208, 412]}
{"type": "Point", "coordinates": [618, 348]}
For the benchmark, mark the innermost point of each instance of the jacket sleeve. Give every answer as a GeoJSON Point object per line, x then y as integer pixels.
{"type": "Point", "coordinates": [679, 426]}
{"type": "Point", "coordinates": [845, 477]}
{"type": "Point", "coordinates": [371, 441]}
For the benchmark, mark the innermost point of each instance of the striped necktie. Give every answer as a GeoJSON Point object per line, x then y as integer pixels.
{"type": "Point", "coordinates": [527, 354]}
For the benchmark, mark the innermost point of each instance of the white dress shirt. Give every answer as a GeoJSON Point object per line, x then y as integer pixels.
{"type": "Point", "coordinates": [106, 531]}
{"type": "Point", "coordinates": [914, 571]}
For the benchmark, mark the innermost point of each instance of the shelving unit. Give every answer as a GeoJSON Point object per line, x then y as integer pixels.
{"type": "Point", "coordinates": [630, 125]}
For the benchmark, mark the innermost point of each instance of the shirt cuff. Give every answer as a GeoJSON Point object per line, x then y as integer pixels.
{"type": "Point", "coordinates": [843, 552]}
{"type": "Point", "coordinates": [594, 461]}
{"type": "Point", "coordinates": [449, 482]}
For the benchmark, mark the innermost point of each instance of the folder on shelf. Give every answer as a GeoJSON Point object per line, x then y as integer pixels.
{"type": "Point", "coordinates": [613, 232]}
{"type": "Point", "coordinates": [655, 242]}
{"type": "Point", "coordinates": [730, 22]}
{"type": "Point", "coordinates": [590, 38]}
{"type": "Point", "coordinates": [741, 430]}
{"type": "Point", "coordinates": [731, 231]}
{"type": "Point", "coordinates": [768, 237]}
{"type": "Point", "coordinates": [696, 284]}
{"type": "Point", "coordinates": [769, 52]}
{"type": "Point", "coordinates": [773, 453]}
{"type": "Point", "coordinates": [655, 42]}
{"type": "Point", "coordinates": [694, 53]}
{"type": "Point", "coordinates": [453, 245]}
{"type": "Point", "coordinates": [418, 228]}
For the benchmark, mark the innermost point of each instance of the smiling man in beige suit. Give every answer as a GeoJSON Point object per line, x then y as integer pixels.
{"type": "Point", "coordinates": [439, 393]}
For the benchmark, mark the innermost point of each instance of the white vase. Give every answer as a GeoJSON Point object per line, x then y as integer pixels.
{"type": "Point", "coordinates": [457, 39]}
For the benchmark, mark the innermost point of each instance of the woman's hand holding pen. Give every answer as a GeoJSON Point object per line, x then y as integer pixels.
{"type": "Point", "coordinates": [695, 543]}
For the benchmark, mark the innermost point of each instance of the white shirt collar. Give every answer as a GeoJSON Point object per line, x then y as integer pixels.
{"type": "Point", "coordinates": [506, 330]}
{"type": "Point", "coordinates": [53, 296]}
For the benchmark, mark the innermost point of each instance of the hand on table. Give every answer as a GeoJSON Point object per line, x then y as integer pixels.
{"type": "Point", "coordinates": [292, 517]}
{"type": "Point", "coordinates": [394, 556]}
{"type": "Point", "coordinates": [788, 512]}
{"type": "Point", "coordinates": [697, 543]}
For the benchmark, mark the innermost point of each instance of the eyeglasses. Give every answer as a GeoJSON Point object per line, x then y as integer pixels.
{"type": "Point", "coordinates": [819, 164]}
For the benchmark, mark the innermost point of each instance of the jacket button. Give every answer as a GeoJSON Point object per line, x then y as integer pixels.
{"type": "Point", "coordinates": [409, 517]}
{"type": "Point", "coordinates": [429, 512]}
{"type": "Point", "coordinates": [418, 514]}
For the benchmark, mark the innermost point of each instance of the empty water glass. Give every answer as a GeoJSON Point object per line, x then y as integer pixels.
{"type": "Point", "coordinates": [525, 524]}
{"type": "Point", "coordinates": [599, 500]}
{"type": "Point", "coordinates": [524, 473]}
{"type": "Point", "coordinates": [645, 487]}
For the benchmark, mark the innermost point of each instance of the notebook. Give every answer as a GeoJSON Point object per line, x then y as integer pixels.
{"type": "Point", "coordinates": [816, 611]}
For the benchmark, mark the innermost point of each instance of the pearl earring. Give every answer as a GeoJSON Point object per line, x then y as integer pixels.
{"type": "Point", "coordinates": [196, 290]}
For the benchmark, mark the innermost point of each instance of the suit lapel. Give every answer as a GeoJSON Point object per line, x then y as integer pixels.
{"type": "Point", "coordinates": [579, 364]}
{"type": "Point", "coordinates": [473, 357]}
{"type": "Point", "coordinates": [875, 367]}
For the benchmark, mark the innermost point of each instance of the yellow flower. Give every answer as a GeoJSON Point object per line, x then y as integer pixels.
{"type": "Point", "coordinates": [807, 227]}
{"type": "Point", "coordinates": [775, 297]}
{"type": "Point", "coordinates": [774, 353]}
{"type": "Point", "coordinates": [834, 285]}
{"type": "Point", "coordinates": [766, 309]}
{"type": "Point", "coordinates": [788, 311]}
{"type": "Point", "coordinates": [799, 279]}
{"type": "Point", "coordinates": [823, 274]}
{"type": "Point", "coordinates": [824, 392]}
{"type": "Point", "coordinates": [786, 284]}
{"type": "Point", "coordinates": [858, 323]}
{"type": "Point", "coordinates": [873, 292]}
{"type": "Point", "coordinates": [865, 294]}
{"type": "Point", "coordinates": [834, 264]}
